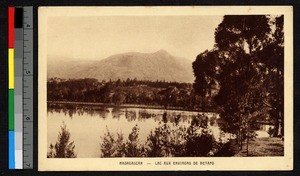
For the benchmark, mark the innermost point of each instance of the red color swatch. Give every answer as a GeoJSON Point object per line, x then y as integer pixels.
{"type": "Point", "coordinates": [11, 21]}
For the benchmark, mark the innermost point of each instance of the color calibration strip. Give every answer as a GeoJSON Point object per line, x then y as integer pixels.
{"type": "Point", "coordinates": [20, 63]}
{"type": "Point", "coordinates": [11, 113]}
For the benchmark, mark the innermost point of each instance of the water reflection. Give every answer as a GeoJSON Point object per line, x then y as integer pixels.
{"type": "Point", "coordinates": [88, 123]}
{"type": "Point", "coordinates": [131, 114]}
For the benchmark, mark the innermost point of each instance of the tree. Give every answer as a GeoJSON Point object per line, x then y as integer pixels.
{"type": "Point", "coordinates": [199, 140]}
{"type": "Point", "coordinates": [272, 59]}
{"type": "Point", "coordinates": [239, 39]}
{"type": "Point", "coordinates": [247, 64]}
{"type": "Point", "coordinates": [133, 147]}
{"type": "Point", "coordinates": [63, 147]}
{"type": "Point", "coordinates": [118, 97]}
{"type": "Point", "coordinates": [205, 70]}
{"type": "Point", "coordinates": [111, 147]}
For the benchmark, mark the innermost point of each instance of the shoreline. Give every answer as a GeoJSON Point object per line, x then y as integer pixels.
{"type": "Point", "coordinates": [129, 106]}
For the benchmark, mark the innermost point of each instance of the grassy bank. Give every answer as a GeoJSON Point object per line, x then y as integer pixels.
{"type": "Point", "coordinates": [263, 147]}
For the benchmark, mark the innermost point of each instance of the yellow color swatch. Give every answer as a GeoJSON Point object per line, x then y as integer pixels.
{"type": "Point", "coordinates": [11, 71]}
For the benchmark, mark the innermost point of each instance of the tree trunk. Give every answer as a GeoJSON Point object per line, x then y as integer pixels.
{"type": "Point", "coordinates": [279, 134]}
{"type": "Point", "coordinates": [276, 127]}
{"type": "Point", "coordinates": [203, 103]}
{"type": "Point", "coordinates": [241, 140]}
{"type": "Point", "coordinates": [282, 125]}
{"type": "Point", "coordinates": [247, 147]}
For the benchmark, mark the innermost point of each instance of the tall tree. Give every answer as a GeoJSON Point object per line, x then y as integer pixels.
{"type": "Point", "coordinates": [249, 57]}
{"type": "Point", "coordinates": [272, 65]}
{"type": "Point", "coordinates": [239, 39]}
{"type": "Point", "coordinates": [242, 69]}
{"type": "Point", "coordinates": [205, 70]}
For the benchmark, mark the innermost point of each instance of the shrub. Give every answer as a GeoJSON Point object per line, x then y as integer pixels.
{"type": "Point", "coordinates": [167, 140]}
{"type": "Point", "coordinates": [133, 147]}
{"type": "Point", "coordinates": [271, 131]}
{"type": "Point", "coordinates": [225, 149]}
{"type": "Point", "coordinates": [112, 147]}
{"type": "Point", "coordinates": [63, 147]}
{"type": "Point", "coordinates": [200, 140]}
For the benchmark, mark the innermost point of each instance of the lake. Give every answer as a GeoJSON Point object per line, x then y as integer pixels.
{"type": "Point", "coordinates": [87, 124]}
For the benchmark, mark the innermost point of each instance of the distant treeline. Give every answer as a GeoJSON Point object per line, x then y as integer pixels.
{"type": "Point", "coordinates": [130, 91]}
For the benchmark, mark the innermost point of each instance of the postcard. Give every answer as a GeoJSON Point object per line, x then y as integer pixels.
{"type": "Point", "coordinates": [168, 88]}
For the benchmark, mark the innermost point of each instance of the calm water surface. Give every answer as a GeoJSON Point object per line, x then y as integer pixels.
{"type": "Point", "coordinates": [87, 125]}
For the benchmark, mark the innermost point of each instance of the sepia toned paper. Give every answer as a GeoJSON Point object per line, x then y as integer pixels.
{"type": "Point", "coordinates": [67, 34]}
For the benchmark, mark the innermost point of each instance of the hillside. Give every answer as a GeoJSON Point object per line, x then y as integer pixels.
{"type": "Point", "coordinates": [159, 65]}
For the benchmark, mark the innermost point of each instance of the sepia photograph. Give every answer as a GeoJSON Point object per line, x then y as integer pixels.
{"type": "Point", "coordinates": [165, 88]}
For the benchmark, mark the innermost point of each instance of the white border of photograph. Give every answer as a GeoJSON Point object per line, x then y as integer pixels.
{"type": "Point", "coordinates": [148, 164]}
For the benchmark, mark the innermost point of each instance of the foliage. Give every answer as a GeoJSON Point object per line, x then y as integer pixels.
{"type": "Point", "coordinates": [200, 140]}
{"type": "Point", "coordinates": [133, 147]}
{"type": "Point", "coordinates": [226, 149]}
{"type": "Point", "coordinates": [271, 131]}
{"type": "Point", "coordinates": [212, 120]}
{"type": "Point", "coordinates": [130, 91]}
{"type": "Point", "coordinates": [247, 64]}
{"type": "Point", "coordinates": [111, 147]}
{"type": "Point", "coordinates": [239, 77]}
{"type": "Point", "coordinates": [169, 139]}
{"type": "Point", "coordinates": [63, 147]}
{"type": "Point", "coordinates": [205, 72]}
{"type": "Point", "coordinates": [272, 65]}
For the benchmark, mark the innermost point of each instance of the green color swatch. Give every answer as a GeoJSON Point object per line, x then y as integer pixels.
{"type": "Point", "coordinates": [11, 109]}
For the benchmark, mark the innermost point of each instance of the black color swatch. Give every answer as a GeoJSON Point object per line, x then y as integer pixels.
{"type": "Point", "coordinates": [18, 17]}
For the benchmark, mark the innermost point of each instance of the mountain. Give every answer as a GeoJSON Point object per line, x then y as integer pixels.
{"type": "Point", "coordinates": [159, 65]}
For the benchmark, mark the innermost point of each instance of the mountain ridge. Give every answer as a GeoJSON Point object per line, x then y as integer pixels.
{"type": "Point", "coordinates": [159, 65]}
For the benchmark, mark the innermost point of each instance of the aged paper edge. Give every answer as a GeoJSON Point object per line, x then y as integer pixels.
{"type": "Point", "coordinates": [112, 164]}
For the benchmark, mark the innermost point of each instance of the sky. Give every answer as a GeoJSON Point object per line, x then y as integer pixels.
{"type": "Point", "coordinates": [95, 38]}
